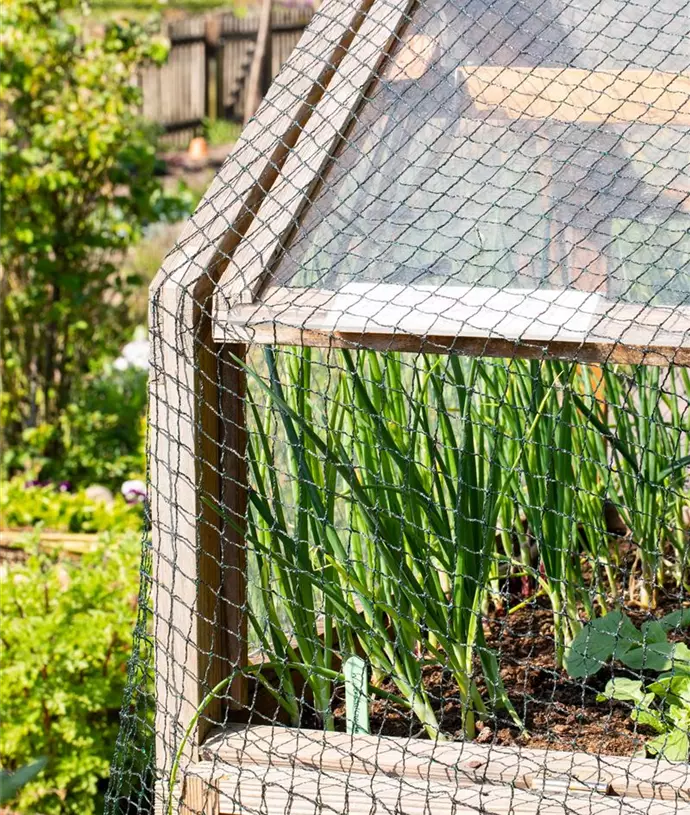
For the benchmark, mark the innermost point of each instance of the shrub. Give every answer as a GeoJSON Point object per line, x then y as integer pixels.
{"type": "Point", "coordinates": [100, 436]}
{"type": "Point", "coordinates": [65, 641]}
{"type": "Point", "coordinates": [22, 506]}
{"type": "Point", "coordinates": [78, 187]}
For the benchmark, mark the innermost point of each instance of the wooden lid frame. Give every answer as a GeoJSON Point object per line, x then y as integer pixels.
{"type": "Point", "coordinates": [570, 324]}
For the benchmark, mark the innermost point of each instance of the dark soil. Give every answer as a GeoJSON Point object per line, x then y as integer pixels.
{"type": "Point", "coordinates": [559, 713]}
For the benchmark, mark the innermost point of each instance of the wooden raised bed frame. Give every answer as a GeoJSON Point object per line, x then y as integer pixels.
{"type": "Point", "coordinates": [197, 451]}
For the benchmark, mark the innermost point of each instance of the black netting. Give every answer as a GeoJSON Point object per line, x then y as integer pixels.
{"type": "Point", "coordinates": [420, 431]}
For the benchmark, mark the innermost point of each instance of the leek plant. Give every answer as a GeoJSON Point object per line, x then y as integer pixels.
{"type": "Point", "coordinates": [392, 496]}
{"type": "Point", "coordinates": [406, 578]}
{"type": "Point", "coordinates": [538, 416]}
{"type": "Point", "coordinates": [647, 445]}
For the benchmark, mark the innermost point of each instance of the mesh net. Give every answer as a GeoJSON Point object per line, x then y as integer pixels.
{"type": "Point", "coordinates": [419, 430]}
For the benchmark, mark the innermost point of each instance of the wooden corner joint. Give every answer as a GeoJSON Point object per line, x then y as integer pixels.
{"type": "Point", "coordinates": [200, 796]}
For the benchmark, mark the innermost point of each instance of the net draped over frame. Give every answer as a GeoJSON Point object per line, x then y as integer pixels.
{"type": "Point", "coordinates": [499, 542]}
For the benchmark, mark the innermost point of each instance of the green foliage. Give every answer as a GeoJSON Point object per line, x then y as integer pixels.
{"type": "Point", "coordinates": [394, 504]}
{"type": "Point", "coordinates": [78, 186]}
{"type": "Point", "coordinates": [662, 704]}
{"type": "Point", "coordinates": [161, 5]}
{"type": "Point", "coordinates": [66, 640]}
{"type": "Point", "coordinates": [221, 131]}
{"type": "Point", "coordinates": [22, 506]}
{"type": "Point", "coordinates": [615, 637]}
{"type": "Point", "coordinates": [100, 438]}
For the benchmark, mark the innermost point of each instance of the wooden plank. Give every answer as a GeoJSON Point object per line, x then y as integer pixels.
{"type": "Point", "coordinates": [276, 790]}
{"type": "Point", "coordinates": [234, 493]}
{"type": "Point", "coordinates": [458, 763]}
{"type": "Point", "coordinates": [209, 642]}
{"type": "Point", "coordinates": [449, 319]}
{"type": "Point", "coordinates": [585, 352]}
{"type": "Point", "coordinates": [278, 215]}
{"type": "Point", "coordinates": [627, 96]}
{"type": "Point", "coordinates": [74, 543]}
{"type": "Point", "coordinates": [199, 797]}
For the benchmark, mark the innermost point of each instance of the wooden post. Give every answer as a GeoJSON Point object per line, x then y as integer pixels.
{"type": "Point", "coordinates": [212, 64]}
{"type": "Point", "coordinates": [234, 494]}
{"type": "Point", "coordinates": [199, 797]}
{"type": "Point", "coordinates": [196, 424]}
{"type": "Point", "coordinates": [255, 80]}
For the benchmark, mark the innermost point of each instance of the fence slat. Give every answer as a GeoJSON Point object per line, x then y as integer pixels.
{"type": "Point", "coordinates": [176, 95]}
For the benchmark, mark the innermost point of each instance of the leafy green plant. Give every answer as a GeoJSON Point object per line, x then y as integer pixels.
{"type": "Point", "coordinates": [662, 703]}
{"type": "Point", "coordinates": [644, 421]}
{"type": "Point", "coordinates": [12, 783]}
{"type": "Point", "coordinates": [405, 583]}
{"type": "Point", "coordinates": [615, 637]}
{"type": "Point", "coordinates": [78, 186]}
{"type": "Point", "coordinates": [221, 131]}
{"type": "Point", "coordinates": [387, 502]}
{"type": "Point", "coordinates": [98, 439]}
{"type": "Point", "coordinates": [65, 511]}
{"type": "Point", "coordinates": [66, 638]}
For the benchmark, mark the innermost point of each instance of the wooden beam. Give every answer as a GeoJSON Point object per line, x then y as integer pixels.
{"type": "Point", "coordinates": [584, 352]}
{"type": "Point", "coordinates": [234, 494]}
{"type": "Point", "coordinates": [267, 235]}
{"type": "Point", "coordinates": [274, 790]}
{"type": "Point", "coordinates": [628, 96]}
{"type": "Point", "coordinates": [461, 764]}
{"type": "Point", "coordinates": [190, 594]}
{"type": "Point", "coordinates": [602, 332]}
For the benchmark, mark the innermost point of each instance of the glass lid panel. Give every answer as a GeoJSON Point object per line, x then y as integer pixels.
{"type": "Point", "coordinates": [517, 145]}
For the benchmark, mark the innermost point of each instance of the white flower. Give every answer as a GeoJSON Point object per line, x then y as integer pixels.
{"type": "Point", "coordinates": [134, 491]}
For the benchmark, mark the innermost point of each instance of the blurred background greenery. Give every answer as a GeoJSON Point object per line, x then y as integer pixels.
{"type": "Point", "coordinates": [88, 213]}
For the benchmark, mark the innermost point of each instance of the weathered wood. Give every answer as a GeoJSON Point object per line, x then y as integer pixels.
{"type": "Point", "coordinates": [585, 351]}
{"type": "Point", "coordinates": [73, 543]}
{"type": "Point", "coordinates": [577, 95]}
{"type": "Point", "coordinates": [458, 763]}
{"type": "Point", "coordinates": [176, 95]}
{"type": "Point", "coordinates": [234, 493]}
{"type": "Point", "coordinates": [256, 71]}
{"type": "Point", "coordinates": [191, 582]}
{"type": "Point", "coordinates": [276, 790]}
{"type": "Point", "coordinates": [185, 535]}
{"type": "Point", "coordinates": [199, 797]}
{"type": "Point", "coordinates": [267, 236]}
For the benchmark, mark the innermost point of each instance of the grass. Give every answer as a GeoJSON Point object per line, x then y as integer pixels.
{"type": "Point", "coordinates": [393, 498]}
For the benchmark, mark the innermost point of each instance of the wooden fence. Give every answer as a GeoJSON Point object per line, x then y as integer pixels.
{"type": "Point", "coordinates": [208, 67]}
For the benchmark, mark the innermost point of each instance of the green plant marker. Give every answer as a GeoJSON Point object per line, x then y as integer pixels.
{"type": "Point", "coordinates": [356, 699]}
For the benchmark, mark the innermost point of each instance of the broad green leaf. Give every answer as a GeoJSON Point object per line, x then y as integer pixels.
{"type": "Point", "coordinates": [11, 783]}
{"type": "Point", "coordinates": [650, 718]}
{"type": "Point", "coordinates": [599, 641]}
{"type": "Point", "coordinates": [676, 619]}
{"type": "Point", "coordinates": [624, 690]}
{"type": "Point", "coordinates": [671, 746]}
{"type": "Point", "coordinates": [678, 686]}
{"type": "Point", "coordinates": [653, 631]}
{"type": "Point", "coordinates": [657, 656]}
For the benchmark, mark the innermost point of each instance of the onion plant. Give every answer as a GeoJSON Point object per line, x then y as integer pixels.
{"type": "Point", "coordinates": [647, 446]}
{"type": "Point", "coordinates": [391, 495]}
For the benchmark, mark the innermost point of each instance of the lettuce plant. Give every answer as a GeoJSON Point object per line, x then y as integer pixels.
{"type": "Point", "coordinates": [661, 703]}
